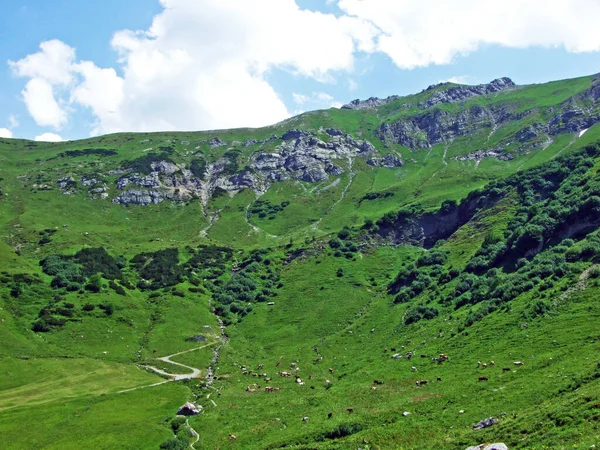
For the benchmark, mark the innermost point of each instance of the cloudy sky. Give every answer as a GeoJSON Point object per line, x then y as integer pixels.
{"type": "Point", "coordinates": [71, 69]}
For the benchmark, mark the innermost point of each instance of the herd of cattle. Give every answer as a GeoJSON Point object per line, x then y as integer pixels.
{"type": "Point", "coordinates": [294, 372]}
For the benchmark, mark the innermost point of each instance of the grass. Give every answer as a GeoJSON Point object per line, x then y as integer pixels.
{"type": "Point", "coordinates": [60, 389]}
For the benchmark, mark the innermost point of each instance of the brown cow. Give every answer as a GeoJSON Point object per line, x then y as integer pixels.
{"type": "Point", "coordinates": [350, 410]}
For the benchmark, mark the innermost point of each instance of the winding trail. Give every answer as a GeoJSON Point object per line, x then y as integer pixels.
{"type": "Point", "coordinates": [172, 376]}
{"type": "Point", "coordinates": [194, 433]}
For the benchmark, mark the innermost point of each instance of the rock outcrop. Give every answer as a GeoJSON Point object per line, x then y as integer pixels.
{"type": "Point", "coordinates": [461, 93]}
{"type": "Point", "coordinates": [437, 126]}
{"type": "Point", "coordinates": [390, 161]}
{"type": "Point", "coordinates": [372, 102]}
{"type": "Point", "coordinates": [300, 156]}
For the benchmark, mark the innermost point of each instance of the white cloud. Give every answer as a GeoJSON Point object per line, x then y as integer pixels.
{"type": "Point", "coordinates": [52, 63]}
{"type": "Point", "coordinates": [418, 33]}
{"type": "Point", "coordinates": [206, 63]}
{"type": "Point", "coordinates": [5, 133]}
{"type": "Point", "coordinates": [12, 120]}
{"type": "Point", "coordinates": [42, 105]}
{"type": "Point", "coordinates": [49, 137]}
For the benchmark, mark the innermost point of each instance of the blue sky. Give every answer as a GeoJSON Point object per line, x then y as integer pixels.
{"type": "Point", "coordinates": [103, 67]}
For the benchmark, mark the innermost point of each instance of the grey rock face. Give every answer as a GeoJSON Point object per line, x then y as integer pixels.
{"type": "Point", "coordinates": [390, 161]}
{"type": "Point", "coordinates": [372, 102]}
{"type": "Point", "coordinates": [216, 142]}
{"type": "Point", "coordinates": [461, 93]}
{"type": "Point", "coordinates": [438, 126]}
{"type": "Point", "coordinates": [489, 153]}
{"type": "Point", "coordinates": [530, 132]}
{"type": "Point", "coordinates": [294, 134]}
{"type": "Point", "coordinates": [141, 197]}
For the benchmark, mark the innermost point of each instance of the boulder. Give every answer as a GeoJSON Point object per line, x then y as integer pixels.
{"type": "Point", "coordinates": [498, 446]}
{"type": "Point", "coordinates": [485, 423]}
{"type": "Point", "coordinates": [189, 409]}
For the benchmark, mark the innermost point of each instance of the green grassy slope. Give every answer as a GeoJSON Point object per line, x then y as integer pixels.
{"type": "Point", "coordinates": [306, 278]}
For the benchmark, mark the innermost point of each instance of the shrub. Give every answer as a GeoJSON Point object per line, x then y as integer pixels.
{"type": "Point", "coordinates": [420, 312]}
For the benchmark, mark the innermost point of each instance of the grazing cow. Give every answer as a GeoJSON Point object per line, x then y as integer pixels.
{"type": "Point", "coordinates": [385, 350]}
{"type": "Point", "coordinates": [443, 356]}
{"type": "Point", "coordinates": [377, 382]}
{"type": "Point", "coordinates": [484, 365]}
{"type": "Point", "coordinates": [233, 437]}
{"type": "Point", "coordinates": [305, 419]}
{"type": "Point", "coordinates": [373, 388]}
{"type": "Point", "coordinates": [422, 382]}
{"type": "Point", "coordinates": [277, 363]}
{"type": "Point", "coordinates": [350, 410]}
{"type": "Point", "coordinates": [413, 368]}
{"type": "Point", "coordinates": [506, 369]}
{"type": "Point", "coordinates": [267, 379]}
{"type": "Point", "coordinates": [310, 377]}
{"type": "Point", "coordinates": [439, 379]}
{"type": "Point", "coordinates": [284, 374]}
{"type": "Point", "coordinates": [248, 389]}
{"type": "Point", "coordinates": [393, 349]}
{"type": "Point", "coordinates": [299, 380]}
{"type": "Point", "coordinates": [492, 363]}
{"type": "Point", "coordinates": [424, 356]}
{"type": "Point", "coordinates": [331, 371]}
{"type": "Point", "coordinates": [330, 415]}
{"type": "Point", "coordinates": [260, 366]}
{"type": "Point", "coordinates": [483, 378]}
{"type": "Point", "coordinates": [518, 363]}
{"type": "Point", "coordinates": [479, 363]}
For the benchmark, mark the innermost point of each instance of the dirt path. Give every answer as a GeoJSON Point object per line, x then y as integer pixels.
{"type": "Point", "coordinates": [172, 376]}
{"type": "Point", "coordinates": [194, 433]}
{"type": "Point", "coordinates": [178, 376]}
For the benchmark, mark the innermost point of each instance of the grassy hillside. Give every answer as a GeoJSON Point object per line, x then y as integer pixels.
{"type": "Point", "coordinates": [483, 247]}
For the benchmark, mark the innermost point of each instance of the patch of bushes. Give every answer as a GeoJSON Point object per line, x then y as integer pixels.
{"type": "Point", "coordinates": [159, 269]}
{"type": "Point", "coordinates": [264, 208]}
{"type": "Point", "coordinates": [413, 315]}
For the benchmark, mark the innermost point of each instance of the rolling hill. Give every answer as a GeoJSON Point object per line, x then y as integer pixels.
{"type": "Point", "coordinates": [393, 271]}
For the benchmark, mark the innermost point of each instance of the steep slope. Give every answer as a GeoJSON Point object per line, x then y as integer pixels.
{"type": "Point", "coordinates": [345, 248]}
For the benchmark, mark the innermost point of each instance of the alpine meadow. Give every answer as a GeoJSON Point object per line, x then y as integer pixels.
{"type": "Point", "coordinates": [412, 272]}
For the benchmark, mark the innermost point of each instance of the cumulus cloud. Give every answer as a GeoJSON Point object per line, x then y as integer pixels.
{"type": "Point", "coordinates": [206, 63]}
{"type": "Point", "coordinates": [49, 137]}
{"type": "Point", "coordinates": [418, 33]}
{"type": "Point", "coordinates": [5, 133]}
{"type": "Point", "coordinates": [52, 63]}
{"type": "Point", "coordinates": [41, 104]}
